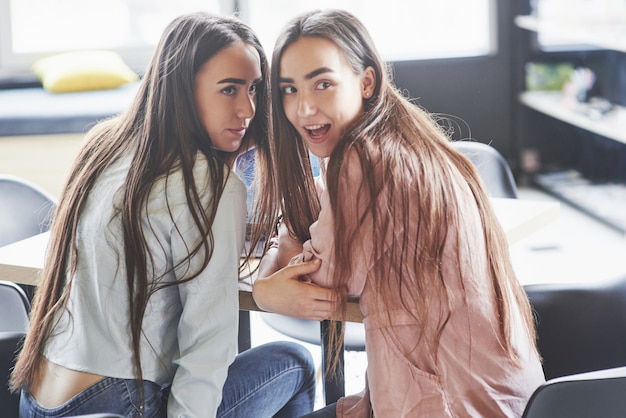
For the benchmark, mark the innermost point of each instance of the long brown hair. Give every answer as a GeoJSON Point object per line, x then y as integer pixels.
{"type": "Point", "coordinates": [161, 131]}
{"type": "Point", "coordinates": [394, 140]}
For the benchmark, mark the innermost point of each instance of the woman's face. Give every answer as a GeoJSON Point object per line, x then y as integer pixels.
{"type": "Point", "coordinates": [320, 92]}
{"type": "Point", "coordinates": [225, 94]}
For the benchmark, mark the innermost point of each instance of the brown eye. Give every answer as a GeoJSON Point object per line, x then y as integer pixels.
{"type": "Point", "coordinates": [229, 91]}
{"type": "Point", "coordinates": [288, 90]}
{"type": "Point", "coordinates": [323, 85]}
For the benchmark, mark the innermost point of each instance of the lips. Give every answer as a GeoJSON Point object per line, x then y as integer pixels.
{"type": "Point", "coordinates": [238, 131]}
{"type": "Point", "coordinates": [317, 131]}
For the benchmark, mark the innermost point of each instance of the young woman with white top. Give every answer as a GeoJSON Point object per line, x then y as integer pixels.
{"type": "Point", "coordinates": [137, 310]}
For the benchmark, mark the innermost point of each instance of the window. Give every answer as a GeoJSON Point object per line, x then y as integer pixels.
{"type": "Point", "coordinates": [30, 29]}
{"type": "Point", "coordinates": [402, 30]}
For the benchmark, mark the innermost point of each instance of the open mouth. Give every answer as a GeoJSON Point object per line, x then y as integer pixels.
{"type": "Point", "coordinates": [317, 131]}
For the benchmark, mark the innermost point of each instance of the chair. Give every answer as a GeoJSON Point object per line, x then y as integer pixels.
{"type": "Point", "coordinates": [314, 332]}
{"type": "Point", "coordinates": [598, 394]}
{"type": "Point", "coordinates": [14, 310]}
{"type": "Point", "coordinates": [309, 331]}
{"type": "Point", "coordinates": [581, 327]}
{"type": "Point", "coordinates": [10, 343]}
{"type": "Point", "coordinates": [25, 209]}
{"type": "Point", "coordinates": [492, 168]}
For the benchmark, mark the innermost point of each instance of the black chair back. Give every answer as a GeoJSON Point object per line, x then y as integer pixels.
{"type": "Point", "coordinates": [25, 209]}
{"type": "Point", "coordinates": [580, 327]}
{"type": "Point", "coordinates": [493, 169]}
{"type": "Point", "coordinates": [14, 308]}
{"type": "Point", "coordinates": [598, 394]}
{"type": "Point", "coordinates": [10, 344]}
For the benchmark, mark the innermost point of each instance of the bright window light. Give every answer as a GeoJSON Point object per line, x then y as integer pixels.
{"type": "Point", "coordinates": [32, 28]}
{"type": "Point", "coordinates": [402, 30]}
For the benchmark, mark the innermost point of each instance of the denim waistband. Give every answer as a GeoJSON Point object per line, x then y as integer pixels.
{"type": "Point", "coordinates": [113, 395]}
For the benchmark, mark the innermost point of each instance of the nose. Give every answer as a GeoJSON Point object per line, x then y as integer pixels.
{"type": "Point", "coordinates": [306, 106]}
{"type": "Point", "coordinates": [246, 107]}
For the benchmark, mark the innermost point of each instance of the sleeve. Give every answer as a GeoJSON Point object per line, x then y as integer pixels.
{"type": "Point", "coordinates": [354, 200]}
{"type": "Point", "coordinates": [208, 326]}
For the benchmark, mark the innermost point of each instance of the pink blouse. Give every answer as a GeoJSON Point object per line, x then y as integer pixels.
{"type": "Point", "coordinates": [472, 375]}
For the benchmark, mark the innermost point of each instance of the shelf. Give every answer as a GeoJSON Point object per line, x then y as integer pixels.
{"type": "Point", "coordinates": [601, 34]}
{"type": "Point", "coordinates": [612, 125]}
{"type": "Point", "coordinates": [603, 202]}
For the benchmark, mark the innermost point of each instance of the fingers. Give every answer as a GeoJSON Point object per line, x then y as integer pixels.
{"type": "Point", "coordinates": [324, 305]}
{"type": "Point", "coordinates": [325, 295]}
{"type": "Point", "coordinates": [304, 268]}
{"type": "Point", "coordinates": [314, 309]}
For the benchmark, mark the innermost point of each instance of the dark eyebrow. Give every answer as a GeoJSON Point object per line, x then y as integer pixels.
{"type": "Point", "coordinates": [317, 72]}
{"type": "Point", "coordinates": [309, 76]}
{"type": "Point", "coordinates": [239, 81]}
{"type": "Point", "coordinates": [232, 81]}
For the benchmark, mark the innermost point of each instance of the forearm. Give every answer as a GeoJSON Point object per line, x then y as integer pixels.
{"type": "Point", "coordinates": [269, 263]}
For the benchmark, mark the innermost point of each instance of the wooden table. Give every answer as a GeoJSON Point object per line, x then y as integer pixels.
{"type": "Point", "coordinates": [21, 262]}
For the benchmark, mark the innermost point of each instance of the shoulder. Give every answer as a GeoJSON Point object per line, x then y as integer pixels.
{"type": "Point", "coordinates": [352, 169]}
{"type": "Point", "coordinates": [203, 179]}
{"type": "Point", "coordinates": [172, 185]}
{"type": "Point", "coordinates": [351, 174]}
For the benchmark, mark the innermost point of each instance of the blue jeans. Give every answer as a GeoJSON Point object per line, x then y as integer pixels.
{"type": "Point", "coordinates": [119, 396]}
{"type": "Point", "coordinates": [273, 380]}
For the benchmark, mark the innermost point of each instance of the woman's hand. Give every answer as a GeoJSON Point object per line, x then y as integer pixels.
{"type": "Point", "coordinates": [283, 292]}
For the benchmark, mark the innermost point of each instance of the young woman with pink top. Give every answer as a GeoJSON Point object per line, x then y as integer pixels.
{"type": "Point", "coordinates": [399, 218]}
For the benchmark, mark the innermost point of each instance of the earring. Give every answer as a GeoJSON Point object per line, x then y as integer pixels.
{"type": "Point", "coordinates": [367, 94]}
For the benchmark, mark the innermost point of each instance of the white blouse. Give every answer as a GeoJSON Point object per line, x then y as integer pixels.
{"type": "Point", "coordinates": [189, 330]}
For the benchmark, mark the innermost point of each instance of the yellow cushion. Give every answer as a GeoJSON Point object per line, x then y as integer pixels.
{"type": "Point", "coordinates": [84, 70]}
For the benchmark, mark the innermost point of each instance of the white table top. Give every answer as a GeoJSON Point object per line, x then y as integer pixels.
{"type": "Point", "coordinates": [521, 218]}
